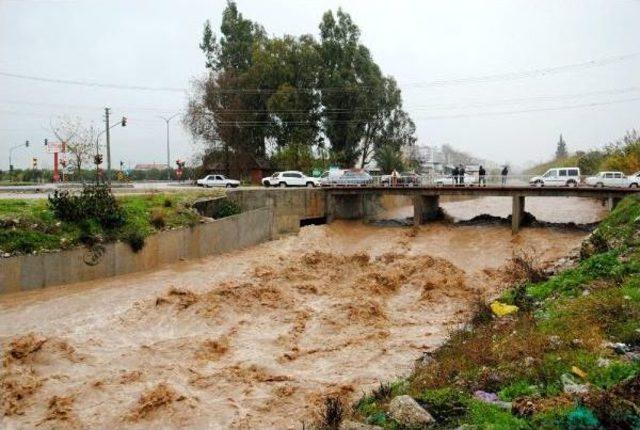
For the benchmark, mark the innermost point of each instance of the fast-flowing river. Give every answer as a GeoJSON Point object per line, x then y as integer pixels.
{"type": "Point", "coordinates": [256, 338]}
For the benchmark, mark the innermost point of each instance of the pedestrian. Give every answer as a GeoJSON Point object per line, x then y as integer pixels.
{"type": "Point", "coordinates": [394, 178]}
{"type": "Point", "coordinates": [482, 177]}
{"type": "Point", "coordinates": [461, 173]}
{"type": "Point", "coordinates": [455, 172]}
{"type": "Point", "coordinates": [505, 172]}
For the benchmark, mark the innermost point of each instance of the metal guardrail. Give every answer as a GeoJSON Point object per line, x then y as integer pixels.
{"type": "Point", "coordinates": [449, 180]}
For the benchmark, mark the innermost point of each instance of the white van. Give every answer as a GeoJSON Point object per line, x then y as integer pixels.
{"type": "Point", "coordinates": [608, 179]}
{"type": "Point", "coordinates": [557, 177]}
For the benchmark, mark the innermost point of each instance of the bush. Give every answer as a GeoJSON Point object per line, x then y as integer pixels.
{"type": "Point", "coordinates": [95, 201]}
{"type": "Point", "coordinates": [135, 240]}
{"type": "Point", "coordinates": [226, 208]}
{"type": "Point", "coordinates": [157, 219]}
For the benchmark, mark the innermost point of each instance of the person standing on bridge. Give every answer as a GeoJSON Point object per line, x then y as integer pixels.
{"type": "Point", "coordinates": [461, 173]}
{"type": "Point", "coordinates": [482, 181]}
{"type": "Point", "coordinates": [454, 173]}
{"type": "Point", "coordinates": [505, 172]}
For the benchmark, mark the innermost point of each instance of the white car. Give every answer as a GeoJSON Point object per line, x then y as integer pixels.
{"type": "Point", "coordinates": [330, 177]}
{"type": "Point", "coordinates": [557, 177]}
{"type": "Point", "coordinates": [450, 180]}
{"type": "Point", "coordinates": [608, 179]}
{"type": "Point", "coordinates": [290, 178]}
{"type": "Point", "coordinates": [217, 181]}
{"type": "Point", "coordinates": [633, 180]}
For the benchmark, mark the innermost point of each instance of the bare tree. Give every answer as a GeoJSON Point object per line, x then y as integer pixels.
{"type": "Point", "coordinates": [79, 140]}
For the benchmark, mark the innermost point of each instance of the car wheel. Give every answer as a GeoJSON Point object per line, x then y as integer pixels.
{"type": "Point", "coordinates": [310, 185]}
{"type": "Point", "coordinates": [283, 184]}
{"type": "Point", "coordinates": [572, 184]}
{"type": "Point", "coordinates": [227, 186]}
{"type": "Point", "coordinates": [539, 184]}
{"type": "Point", "coordinates": [633, 185]}
{"type": "Point", "coordinates": [266, 184]}
{"type": "Point", "coordinates": [600, 185]}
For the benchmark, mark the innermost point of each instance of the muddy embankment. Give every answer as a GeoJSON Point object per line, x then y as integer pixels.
{"type": "Point", "coordinates": [253, 339]}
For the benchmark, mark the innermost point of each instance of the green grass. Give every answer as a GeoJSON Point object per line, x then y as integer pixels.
{"type": "Point", "coordinates": [29, 225]}
{"type": "Point", "coordinates": [523, 357]}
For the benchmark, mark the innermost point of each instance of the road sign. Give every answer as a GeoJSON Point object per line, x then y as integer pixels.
{"type": "Point", "coordinates": [54, 147]}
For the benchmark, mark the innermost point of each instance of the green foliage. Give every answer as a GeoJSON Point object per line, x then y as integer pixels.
{"type": "Point", "coordinates": [388, 159]}
{"type": "Point", "coordinates": [561, 149]}
{"type": "Point", "coordinates": [226, 208]}
{"type": "Point", "coordinates": [94, 202]}
{"type": "Point", "coordinates": [447, 405]}
{"type": "Point", "coordinates": [491, 417]}
{"type": "Point", "coordinates": [517, 389]}
{"type": "Point", "coordinates": [295, 92]}
{"type": "Point", "coordinates": [135, 239]}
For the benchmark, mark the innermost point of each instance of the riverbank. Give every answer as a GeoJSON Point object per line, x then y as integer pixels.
{"type": "Point", "coordinates": [30, 225]}
{"type": "Point", "coordinates": [568, 357]}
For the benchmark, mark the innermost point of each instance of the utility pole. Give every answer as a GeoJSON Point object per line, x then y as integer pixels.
{"type": "Point", "coordinates": [106, 119]}
{"type": "Point", "coordinates": [167, 119]}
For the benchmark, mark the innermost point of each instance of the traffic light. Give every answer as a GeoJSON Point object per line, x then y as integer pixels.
{"type": "Point", "coordinates": [26, 144]}
{"type": "Point", "coordinates": [46, 142]}
{"type": "Point", "coordinates": [97, 159]}
{"type": "Point", "coordinates": [34, 163]}
{"type": "Point", "coordinates": [124, 121]}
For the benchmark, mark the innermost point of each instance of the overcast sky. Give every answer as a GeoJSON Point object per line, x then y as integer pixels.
{"type": "Point", "coordinates": [469, 70]}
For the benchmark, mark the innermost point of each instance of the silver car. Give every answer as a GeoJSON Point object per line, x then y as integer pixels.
{"type": "Point", "coordinates": [353, 178]}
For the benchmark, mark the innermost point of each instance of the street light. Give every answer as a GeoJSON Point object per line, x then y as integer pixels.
{"type": "Point", "coordinates": [26, 145]}
{"type": "Point", "coordinates": [167, 119]}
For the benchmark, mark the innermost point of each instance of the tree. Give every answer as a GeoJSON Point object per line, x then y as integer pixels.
{"type": "Point", "coordinates": [561, 149]}
{"type": "Point", "coordinates": [79, 140]}
{"type": "Point", "coordinates": [350, 83]}
{"type": "Point", "coordinates": [388, 158]}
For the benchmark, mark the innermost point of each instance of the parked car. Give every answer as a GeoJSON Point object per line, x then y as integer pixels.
{"type": "Point", "coordinates": [557, 177]}
{"type": "Point", "coordinates": [330, 177]}
{"type": "Point", "coordinates": [404, 179]}
{"type": "Point", "coordinates": [633, 180]}
{"type": "Point", "coordinates": [290, 178]}
{"type": "Point", "coordinates": [608, 179]}
{"type": "Point", "coordinates": [449, 180]}
{"type": "Point", "coordinates": [354, 178]}
{"type": "Point", "coordinates": [217, 181]}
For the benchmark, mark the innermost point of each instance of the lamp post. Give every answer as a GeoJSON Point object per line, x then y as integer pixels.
{"type": "Point", "coordinates": [26, 145]}
{"type": "Point", "coordinates": [167, 120]}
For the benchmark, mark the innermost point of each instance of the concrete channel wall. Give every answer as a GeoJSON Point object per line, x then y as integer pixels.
{"type": "Point", "coordinates": [290, 205]}
{"type": "Point", "coordinates": [27, 272]}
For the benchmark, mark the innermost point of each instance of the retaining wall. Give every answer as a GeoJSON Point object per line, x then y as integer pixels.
{"type": "Point", "coordinates": [27, 272]}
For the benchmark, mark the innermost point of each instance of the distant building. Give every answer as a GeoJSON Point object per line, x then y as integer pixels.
{"type": "Point", "coordinates": [151, 166]}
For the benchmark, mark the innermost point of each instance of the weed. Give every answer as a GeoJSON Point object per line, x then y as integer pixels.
{"type": "Point", "coordinates": [332, 414]}
{"type": "Point", "coordinates": [382, 393]}
{"type": "Point", "coordinates": [482, 313]}
{"type": "Point", "coordinates": [226, 208]}
{"type": "Point", "coordinates": [135, 240]}
{"type": "Point", "coordinates": [157, 219]}
{"type": "Point", "coordinates": [167, 203]}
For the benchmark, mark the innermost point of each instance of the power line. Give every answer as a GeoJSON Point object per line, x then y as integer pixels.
{"type": "Point", "coordinates": [437, 83]}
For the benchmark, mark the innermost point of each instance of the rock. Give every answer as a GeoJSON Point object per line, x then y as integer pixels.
{"type": "Point", "coordinates": [492, 398]}
{"type": "Point", "coordinates": [569, 386]}
{"type": "Point", "coordinates": [354, 425]}
{"type": "Point", "coordinates": [408, 413]}
{"type": "Point", "coordinates": [529, 361]}
{"type": "Point", "coordinates": [603, 362]}
{"type": "Point", "coordinates": [555, 341]}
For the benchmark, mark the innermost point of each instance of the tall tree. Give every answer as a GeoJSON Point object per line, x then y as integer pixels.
{"type": "Point", "coordinates": [561, 149]}
{"type": "Point", "coordinates": [349, 83]}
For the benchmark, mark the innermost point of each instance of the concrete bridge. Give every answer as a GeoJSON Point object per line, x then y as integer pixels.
{"type": "Point", "coordinates": [293, 207]}
{"type": "Point", "coordinates": [358, 202]}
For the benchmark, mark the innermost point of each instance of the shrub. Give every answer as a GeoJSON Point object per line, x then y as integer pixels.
{"type": "Point", "coordinates": [157, 219]}
{"type": "Point", "coordinates": [168, 203]}
{"type": "Point", "coordinates": [135, 240]}
{"type": "Point", "coordinates": [95, 201]}
{"type": "Point", "coordinates": [226, 208]}
{"type": "Point", "coordinates": [446, 405]}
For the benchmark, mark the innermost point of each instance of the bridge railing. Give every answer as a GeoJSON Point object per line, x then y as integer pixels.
{"type": "Point", "coordinates": [450, 180]}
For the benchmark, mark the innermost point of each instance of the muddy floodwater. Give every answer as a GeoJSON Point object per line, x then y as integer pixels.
{"type": "Point", "coordinates": [255, 339]}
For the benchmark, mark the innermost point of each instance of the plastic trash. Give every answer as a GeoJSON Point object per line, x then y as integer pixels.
{"type": "Point", "coordinates": [502, 309]}
{"type": "Point", "coordinates": [578, 372]}
{"type": "Point", "coordinates": [492, 398]}
{"type": "Point", "coordinates": [570, 386]}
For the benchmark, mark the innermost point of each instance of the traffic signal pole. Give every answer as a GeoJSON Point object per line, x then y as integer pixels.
{"type": "Point", "coordinates": [106, 119]}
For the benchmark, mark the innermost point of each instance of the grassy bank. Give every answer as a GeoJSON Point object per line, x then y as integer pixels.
{"type": "Point", "coordinates": [569, 358]}
{"type": "Point", "coordinates": [30, 225]}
